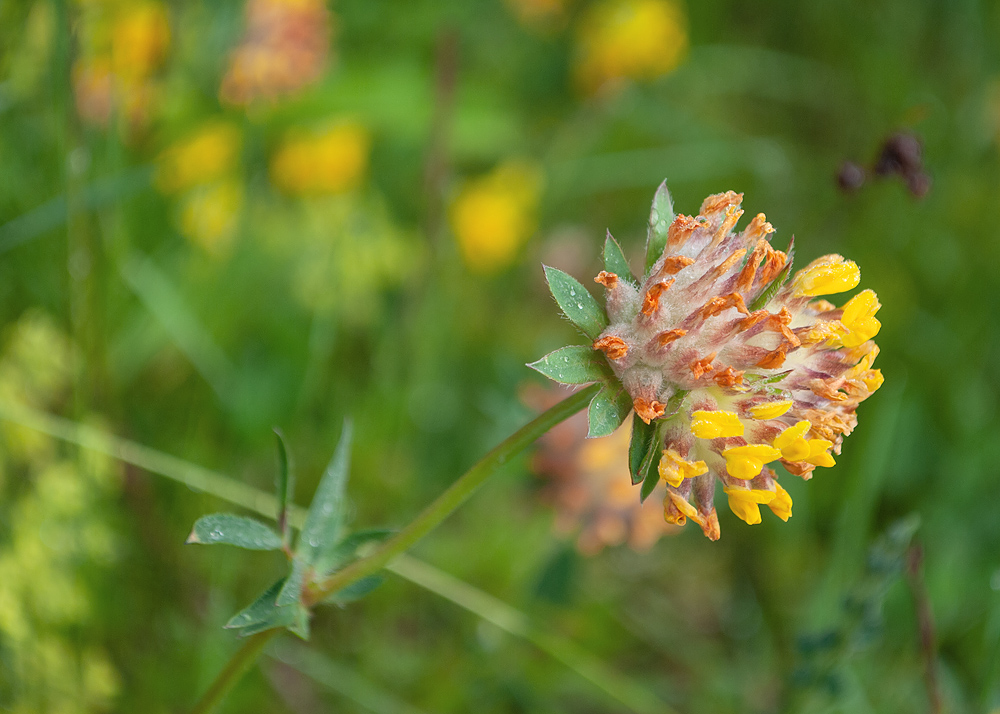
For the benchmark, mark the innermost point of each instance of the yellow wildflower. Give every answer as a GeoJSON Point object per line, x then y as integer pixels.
{"type": "Point", "coordinates": [205, 157]}
{"type": "Point", "coordinates": [492, 216]}
{"type": "Point", "coordinates": [331, 161]}
{"type": "Point", "coordinates": [629, 39]}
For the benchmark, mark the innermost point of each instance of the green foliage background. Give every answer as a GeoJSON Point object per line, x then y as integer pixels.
{"type": "Point", "coordinates": [133, 328]}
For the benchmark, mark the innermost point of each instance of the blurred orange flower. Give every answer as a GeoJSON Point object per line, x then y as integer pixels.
{"type": "Point", "coordinates": [285, 47]}
{"type": "Point", "coordinates": [589, 485]}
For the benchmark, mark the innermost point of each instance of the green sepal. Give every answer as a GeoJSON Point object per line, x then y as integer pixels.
{"type": "Point", "coordinates": [291, 591]}
{"type": "Point", "coordinates": [576, 302]}
{"type": "Point", "coordinates": [355, 591]}
{"type": "Point", "coordinates": [326, 512]}
{"type": "Point", "coordinates": [607, 411]}
{"type": "Point", "coordinates": [265, 614]}
{"type": "Point", "coordinates": [615, 260]}
{"type": "Point", "coordinates": [772, 289]}
{"type": "Point", "coordinates": [651, 474]}
{"type": "Point", "coordinates": [576, 364]}
{"type": "Point", "coordinates": [661, 215]}
{"type": "Point", "coordinates": [650, 469]}
{"type": "Point", "coordinates": [347, 549]}
{"type": "Point", "coordinates": [260, 610]}
{"type": "Point", "coordinates": [230, 529]}
{"type": "Point", "coordinates": [638, 448]}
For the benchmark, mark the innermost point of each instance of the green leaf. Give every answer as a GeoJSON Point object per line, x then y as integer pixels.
{"type": "Point", "coordinates": [261, 610]}
{"type": "Point", "coordinates": [615, 260]}
{"type": "Point", "coordinates": [347, 549]}
{"type": "Point", "coordinates": [231, 529]}
{"type": "Point", "coordinates": [771, 290]}
{"type": "Point", "coordinates": [607, 411]}
{"type": "Point", "coordinates": [282, 617]}
{"type": "Point", "coordinates": [638, 448]}
{"type": "Point", "coordinates": [576, 364]}
{"type": "Point", "coordinates": [326, 513]}
{"type": "Point", "coordinates": [576, 302]}
{"type": "Point", "coordinates": [651, 474]}
{"type": "Point", "coordinates": [300, 625]}
{"type": "Point", "coordinates": [356, 590]}
{"type": "Point", "coordinates": [291, 591]}
{"type": "Point", "coordinates": [284, 485]}
{"type": "Point", "coordinates": [661, 215]}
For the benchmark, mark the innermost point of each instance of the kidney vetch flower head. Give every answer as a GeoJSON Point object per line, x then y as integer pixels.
{"type": "Point", "coordinates": [728, 364]}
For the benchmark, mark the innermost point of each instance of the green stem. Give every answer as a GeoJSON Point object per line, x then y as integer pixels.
{"type": "Point", "coordinates": [428, 520]}
{"type": "Point", "coordinates": [237, 666]}
{"type": "Point", "coordinates": [455, 495]}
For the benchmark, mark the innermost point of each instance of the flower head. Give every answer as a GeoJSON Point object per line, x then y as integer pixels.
{"type": "Point", "coordinates": [333, 160]}
{"type": "Point", "coordinates": [728, 364]}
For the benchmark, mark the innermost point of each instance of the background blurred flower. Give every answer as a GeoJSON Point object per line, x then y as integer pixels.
{"type": "Point", "coordinates": [629, 39]}
{"type": "Point", "coordinates": [207, 155]}
{"type": "Point", "coordinates": [209, 216]}
{"type": "Point", "coordinates": [589, 485]}
{"type": "Point", "coordinates": [494, 215]}
{"type": "Point", "coordinates": [332, 160]}
{"type": "Point", "coordinates": [204, 168]}
{"type": "Point", "coordinates": [121, 48]}
{"type": "Point", "coordinates": [284, 48]}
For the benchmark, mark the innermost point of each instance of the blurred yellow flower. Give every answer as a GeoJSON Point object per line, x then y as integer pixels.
{"type": "Point", "coordinates": [285, 48]}
{"type": "Point", "coordinates": [139, 40]}
{"type": "Point", "coordinates": [629, 39]}
{"type": "Point", "coordinates": [331, 161]}
{"type": "Point", "coordinates": [205, 157]}
{"type": "Point", "coordinates": [210, 215]}
{"type": "Point", "coordinates": [494, 215]}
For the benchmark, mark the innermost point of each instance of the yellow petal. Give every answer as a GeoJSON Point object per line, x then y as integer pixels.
{"type": "Point", "coordinates": [791, 442]}
{"type": "Point", "coordinates": [686, 508]}
{"type": "Point", "coordinates": [770, 410]}
{"type": "Point", "coordinates": [781, 506]}
{"type": "Point", "coordinates": [828, 275]}
{"type": "Point", "coordinates": [818, 453]}
{"type": "Point", "coordinates": [746, 462]}
{"type": "Point", "coordinates": [744, 502]}
{"type": "Point", "coordinates": [674, 469]}
{"type": "Point", "coordinates": [716, 424]}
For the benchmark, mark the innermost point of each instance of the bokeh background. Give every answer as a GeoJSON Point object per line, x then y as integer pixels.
{"type": "Point", "coordinates": [218, 217]}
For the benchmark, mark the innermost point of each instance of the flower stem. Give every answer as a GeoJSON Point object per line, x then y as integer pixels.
{"type": "Point", "coordinates": [428, 520]}
{"type": "Point", "coordinates": [237, 666]}
{"type": "Point", "coordinates": [456, 494]}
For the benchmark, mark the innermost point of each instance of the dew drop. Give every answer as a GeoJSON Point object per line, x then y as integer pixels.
{"type": "Point", "coordinates": [572, 292]}
{"type": "Point", "coordinates": [654, 217]}
{"type": "Point", "coordinates": [579, 305]}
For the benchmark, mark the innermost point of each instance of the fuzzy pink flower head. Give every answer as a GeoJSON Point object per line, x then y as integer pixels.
{"type": "Point", "coordinates": [728, 364]}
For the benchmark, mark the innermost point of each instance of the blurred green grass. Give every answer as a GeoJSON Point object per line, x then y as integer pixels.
{"type": "Point", "coordinates": [359, 303]}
